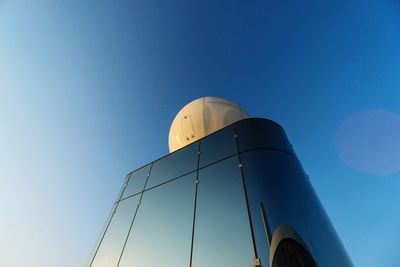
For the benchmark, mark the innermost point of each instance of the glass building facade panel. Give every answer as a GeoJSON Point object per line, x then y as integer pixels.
{"type": "Point", "coordinates": [104, 230]}
{"type": "Point", "coordinates": [136, 181]}
{"type": "Point", "coordinates": [111, 245]}
{"type": "Point", "coordinates": [277, 180]}
{"type": "Point", "coordinates": [222, 234]}
{"type": "Point", "coordinates": [205, 222]}
{"type": "Point", "coordinates": [260, 235]}
{"type": "Point", "coordinates": [217, 146]}
{"type": "Point", "coordinates": [162, 231]}
{"type": "Point", "coordinates": [261, 133]}
{"type": "Point", "coordinates": [321, 231]}
{"type": "Point", "coordinates": [174, 165]}
{"type": "Point", "coordinates": [271, 171]}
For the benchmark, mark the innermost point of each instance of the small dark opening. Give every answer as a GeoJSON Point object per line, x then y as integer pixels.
{"type": "Point", "coordinates": [290, 253]}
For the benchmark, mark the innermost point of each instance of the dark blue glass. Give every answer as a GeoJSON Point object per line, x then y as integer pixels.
{"type": "Point", "coordinates": [222, 230]}
{"type": "Point", "coordinates": [261, 133]}
{"type": "Point", "coordinates": [162, 231]}
{"type": "Point", "coordinates": [217, 146]}
{"type": "Point", "coordinates": [136, 181]}
{"type": "Point", "coordinates": [278, 181]}
{"type": "Point", "coordinates": [174, 165]}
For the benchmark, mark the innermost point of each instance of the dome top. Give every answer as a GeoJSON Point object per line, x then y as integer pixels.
{"type": "Point", "coordinates": [200, 118]}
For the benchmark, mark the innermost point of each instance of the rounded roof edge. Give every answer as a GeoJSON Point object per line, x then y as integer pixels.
{"type": "Point", "coordinates": [261, 119]}
{"type": "Point", "coordinates": [230, 125]}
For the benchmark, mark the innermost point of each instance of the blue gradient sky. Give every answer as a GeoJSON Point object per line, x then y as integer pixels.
{"type": "Point", "coordinates": [88, 90]}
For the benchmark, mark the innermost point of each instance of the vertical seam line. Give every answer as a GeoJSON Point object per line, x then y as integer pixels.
{"type": "Point", "coordinates": [195, 205]}
{"type": "Point", "coordinates": [245, 195]}
{"type": "Point", "coordinates": [114, 210]}
{"type": "Point", "coordinates": [134, 216]}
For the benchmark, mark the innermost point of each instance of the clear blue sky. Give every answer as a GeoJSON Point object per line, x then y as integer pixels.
{"type": "Point", "coordinates": [88, 90]}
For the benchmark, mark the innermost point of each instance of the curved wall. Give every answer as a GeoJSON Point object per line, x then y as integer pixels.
{"type": "Point", "coordinates": [280, 193]}
{"type": "Point", "coordinates": [219, 201]}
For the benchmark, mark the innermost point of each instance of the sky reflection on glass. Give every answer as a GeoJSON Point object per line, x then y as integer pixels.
{"type": "Point", "coordinates": [162, 230]}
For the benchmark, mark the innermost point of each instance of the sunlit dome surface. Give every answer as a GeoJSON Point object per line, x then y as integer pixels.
{"type": "Point", "coordinates": [200, 118]}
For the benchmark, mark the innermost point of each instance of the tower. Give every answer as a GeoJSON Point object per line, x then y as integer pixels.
{"type": "Point", "coordinates": [231, 193]}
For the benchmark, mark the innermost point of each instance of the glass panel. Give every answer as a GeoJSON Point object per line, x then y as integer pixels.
{"type": "Point", "coordinates": [121, 191]}
{"type": "Point", "coordinates": [222, 231]}
{"type": "Point", "coordinates": [278, 180]}
{"type": "Point", "coordinates": [114, 239]}
{"type": "Point", "coordinates": [260, 233]}
{"type": "Point", "coordinates": [261, 133]}
{"type": "Point", "coordinates": [174, 165]}
{"type": "Point", "coordinates": [162, 231]}
{"type": "Point", "coordinates": [102, 233]}
{"type": "Point", "coordinates": [136, 181]}
{"type": "Point", "coordinates": [275, 179]}
{"type": "Point", "coordinates": [217, 146]}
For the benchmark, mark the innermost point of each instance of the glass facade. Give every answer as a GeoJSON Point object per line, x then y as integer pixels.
{"type": "Point", "coordinates": [238, 197]}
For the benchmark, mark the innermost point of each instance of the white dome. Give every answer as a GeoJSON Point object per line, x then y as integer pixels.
{"type": "Point", "coordinates": [200, 118]}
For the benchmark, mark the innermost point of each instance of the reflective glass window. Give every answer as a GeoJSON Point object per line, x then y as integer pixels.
{"type": "Point", "coordinates": [275, 179]}
{"type": "Point", "coordinates": [261, 133]}
{"type": "Point", "coordinates": [260, 233]}
{"type": "Point", "coordinates": [222, 231]}
{"type": "Point", "coordinates": [102, 233]}
{"type": "Point", "coordinates": [162, 231]}
{"type": "Point", "coordinates": [111, 246]}
{"type": "Point", "coordinates": [174, 165]}
{"type": "Point", "coordinates": [136, 181]}
{"type": "Point", "coordinates": [121, 191]}
{"type": "Point", "coordinates": [217, 146]}
{"type": "Point", "coordinates": [278, 181]}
